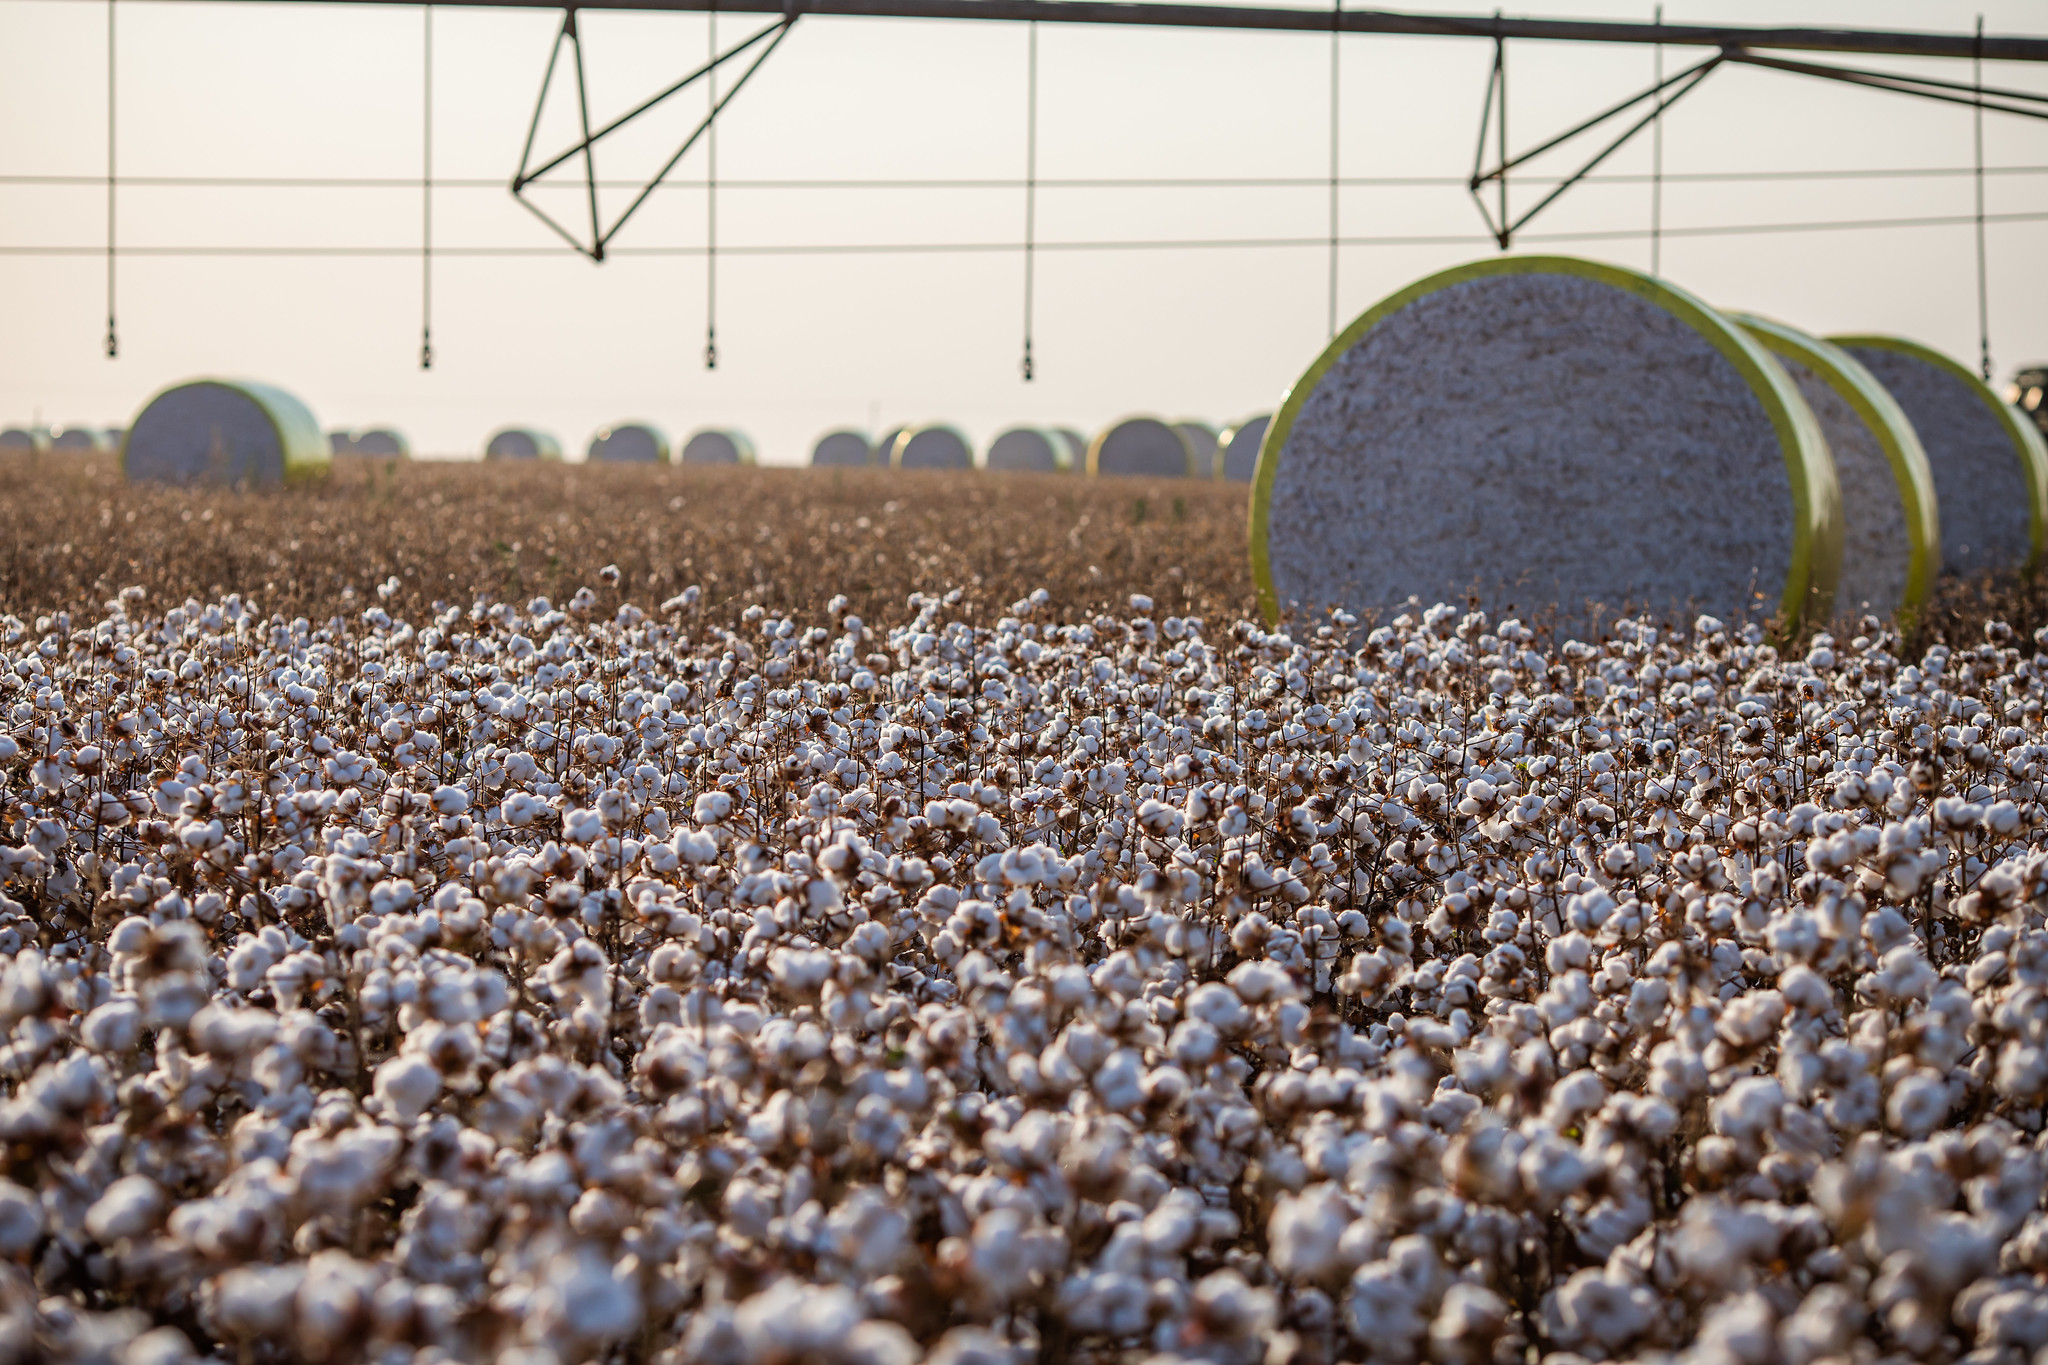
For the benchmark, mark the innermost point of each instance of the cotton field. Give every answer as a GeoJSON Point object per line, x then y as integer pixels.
{"type": "Point", "coordinates": [586, 981]}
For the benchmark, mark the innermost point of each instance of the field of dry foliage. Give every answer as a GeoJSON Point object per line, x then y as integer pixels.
{"type": "Point", "coordinates": [778, 537]}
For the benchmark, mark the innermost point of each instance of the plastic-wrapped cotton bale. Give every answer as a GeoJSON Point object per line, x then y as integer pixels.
{"type": "Point", "coordinates": [1891, 525]}
{"type": "Point", "coordinates": [1550, 435]}
{"type": "Point", "coordinates": [382, 443]}
{"type": "Point", "coordinates": [1141, 445]}
{"type": "Point", "coordinates": [522, 443]}
{"type": "Point", "coordinates": [629, 443]}
{"type": "Point", "coordinates": [224, 431]}
{"type": "Point", "coordinates": [936, 446]}
{"type": "Point", "coordinates": [1990, 467]}
{"type": "Point", "coordinates": [843, 450]}
{"type": "Point", "coordinates": [1077, 448]}
{"type": "Point", "coordinates": [1031, 449]}
{"type": "Point", "coordinates": [77, 441]}
{"type": "Point", "coordinates": [341, 443]}
{"type": "Point", "coordinates": [24, 441]}
{"type": "Point", "coordinates": [885, 448]}
{"type": "Point", "coordinates": [1202, 445]}
{"type": "Point", "coordinates": [718, 445]}
{"type": "Point", "coordinates": [1238, 459]}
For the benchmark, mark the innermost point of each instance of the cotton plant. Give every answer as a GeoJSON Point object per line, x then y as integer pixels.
{"type": "Point", "coordinates": [542, 983]}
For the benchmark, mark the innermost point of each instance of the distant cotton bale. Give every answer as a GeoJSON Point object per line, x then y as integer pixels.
{"type": "Point", "coordinates": [1142, 446]}
{"type": "Point", "coordinates": [885, 448]}
{"type": "Point", "coordinates": [1238, 460]}
{"type": "Point", "coordinates": [226, 432]}
{"type": "Point", "coordinates": [113, 436]}
{"type": "Point", "coordinates": [934, 447]}
{"type": "Point", "coordinates": [382, 443]}
{"type": "Point", "coordinates": [1891, 527]}
{"type": "Point", "coordinates": [341, 443]}
{"type": "Point", "coordinates": [1032, 449]}
{"type": "Point", "coordinates": [1077, 448]}
{"type": "Point", "coordinates": [77, 441]}
{"type": "Point", "coordinates": [715, 445]}
{"type": "Point", "coordinates": [522, 443]}
{"type": "Point", "coordinates": [1555, 438]}
{"type": "Point", "coordinates": [1990, 466]}
{"type": "Point", "coordinates": [1202, 443]}
{"type": "Point", "coordinates": [631, 443]}
{"type": "Point", "coordinates": [24, 441]}
{"type": "Point", "coordinates": [843, 450]}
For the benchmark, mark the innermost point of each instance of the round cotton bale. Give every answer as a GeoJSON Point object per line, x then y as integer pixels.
{"type": "Point", "coordinates": [1990, 467]}
{"type": "Point", "coordinates": [382, 443]}
{"type": "Point", "coordinates": [1142, 446]}
{"type": "Point", "coordinates": [1077, 448]}
{"type": "Point", "coordinates": [934, 447]}
{"type": "Point", "coordinates": [1554, 436]}
{"type": "Point", "coordinates": [715, 445]}
{"type": "Point", "coordinates": [341, 443]}
{"type": "Point", "coordinates": [77, 441]}
{"type": "Point", "coordinates": [111, 438]}
{"type": "Point", "coordinates": [522, 443]}
{"type": "Point", "coordinates": [24, 441]}
{"type": "Point", "coordinates": [843, 450]}
{"type": "Point", "coordinates": [629, 443]}
{"type": "Point", "coordinates": [1029, 449]}
{"type": "Point", "coordinates": [1891, 528]}
{"type": "Point", "coordinates": [885, 449]}
{"type": "Point", "coordinates": [1202, 443]}
{"type": "Point", "coordinates": [1239, 459]}
{"type": "Point", "coordinates": [224, 431]}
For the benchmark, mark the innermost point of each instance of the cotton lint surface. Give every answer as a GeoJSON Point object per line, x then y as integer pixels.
{"type": "Point", "coordinates": [1542, 440]}
{"type": "Point", "coordinates": [1979, 481]}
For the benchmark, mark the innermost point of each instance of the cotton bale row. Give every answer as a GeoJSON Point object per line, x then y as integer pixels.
{"type": "Point", "coordinates": [1569, 439]}
{"type": "Point", "coordinates": [372, 442]}
{"type": "Point", "coordinates": [24, 441]}
{"type": "Point", "coordinates": [224, 431]}
{"type": "Point", "coordinates": [1546, 434]}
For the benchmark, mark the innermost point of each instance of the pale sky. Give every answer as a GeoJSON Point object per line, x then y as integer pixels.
{"type": "Point", "coordinates": [807, 343]}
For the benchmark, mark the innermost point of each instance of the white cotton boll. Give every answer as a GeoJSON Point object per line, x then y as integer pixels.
{"type": "Point", "coordinates": [407, 1085]}
{"type": "Point", "coordinates": [1118, 1081]}
{"type": "Point", "coordinates": [1218, 1006]}
{"type": "Point", "coordinates": [249, 1302]}
{"type": "Point", "coordinates": [1256, 983]}
{"type": "Point", "coordinates": [1305, 1231]}
{"type": "Point", "coordinates": [21, 1220]}
{"type": "Point", "coordinates": [1918, 1103]}
{"type": "Point", "coordinates": [450, 800]}
{"type": "Point", "coordinates": [521, 809]}
{"type": "Point", "coordinates": [711, 807]}
{"type": "Point", "coordinates": [131, 1207]}
{"type": "Point", "coordinates": [800, 970]}
{"type": "Point", "coordinates": [162, 1346]}
{"type": "Point", "coordinates": [113, 1029]}
{"type": "Point", "coordinates": [586, 1299]}
{"type": "Point", "coordinates": [582, 826]}
{"type": "Point", "coordinates": [1749, 1107]}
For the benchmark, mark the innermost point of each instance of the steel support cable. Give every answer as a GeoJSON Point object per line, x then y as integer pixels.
{"type": "Point", "coordinates": [1983, 275]}
{"type": "Point", "coordinates": [710, 190]}
{"type": "Point", "coordinates": [427, 189]}
{"type": "Point", "coordinates": [1336, 16]}
{"type": "Point", "coordinates": [1030, 187]}
{"type": "Point", "coordinates": [1657, 162]}
{"type": "Point", "coordinates": [1999, 100]}
{"type": "Point", "coordinates": [113, 344]}
{"type": "Point", "coordinates": [1012, 247]}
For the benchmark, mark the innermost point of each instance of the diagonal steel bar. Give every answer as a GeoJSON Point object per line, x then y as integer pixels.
{"type": "Point", "coordinates": [1479, 178]}
{"type": "Point", "coordinates": [1700, 73]}
{"type": "Point", "coordinates": [781, 32]}
{"type": "Point", "coordinates": [526, 176]}
{"type": "Point", "coordinates": [1920, 87]}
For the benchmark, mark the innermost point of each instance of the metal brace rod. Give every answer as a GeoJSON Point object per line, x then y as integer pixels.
{"type": "Point", "coordinates": [1884, 42]}
{"type": "Point", "coordinates": [600, 235]}
{"type": "Point", "coordinates": [1922, 87]}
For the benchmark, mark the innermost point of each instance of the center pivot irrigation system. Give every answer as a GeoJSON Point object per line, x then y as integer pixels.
{"type": "Point", "coordinates": [1762, 48]}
